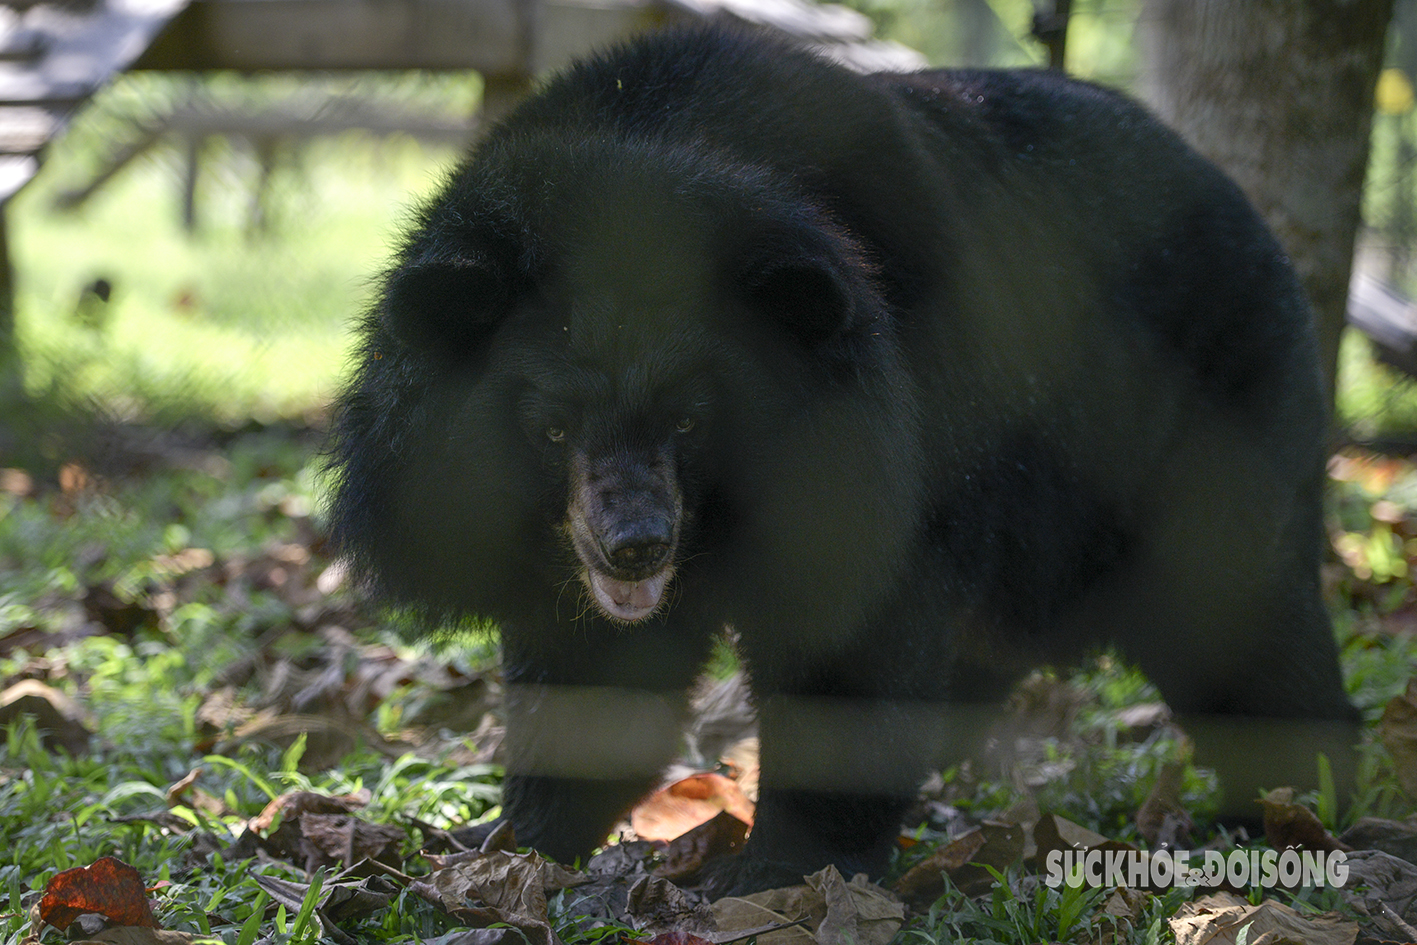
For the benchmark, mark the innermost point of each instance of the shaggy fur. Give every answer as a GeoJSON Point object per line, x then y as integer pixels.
{"type": "Point", "coordinates": [911, 380]}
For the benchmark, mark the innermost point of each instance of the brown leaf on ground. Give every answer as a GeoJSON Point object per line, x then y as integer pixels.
{"type": "Point", "coordinates": [292, 896]}
{"type": "Point", "coordinates": [1224, 919]}
{"type": "Point", "coordinates": [1058, 833]}
{"type": "Point", "coordinates": [1122, 910]}
{"type": "Point", "coordinates": [1126, 903]}
{"type": "Point", "coordinates": [791, 913]}
{"type": "Point", "coordinates": [922, 881]}
{"type": "Point", "coordinates": [186, 791]}
{"type": "Point", "coordinates": [479, 937]}
{"type": "Point", "coordinates": [278, 830]}
{"type": "Point", "coordinates": [1397, 837]}
{"type": "Point", "coordinates": [1287, 824]}
{"type": "Point", "coordinates": [1398, 731]}
{"type": "Point", "coordinates": [657, 906]}
{"type": "Point", "coordinates": [129, 935]}
{"type": "Point", "coordinates": [831, 910]}
{"type": "Point", "coordinates": [679, 937]}
{"type": "Point", "coordinates": [1162, 819]}
{"type": "Point", "coordinates": [963, 859]}
{"type": "Point", "coordinates": [686, 855]}
{"type": "Point", "coordinates": [109, 887]}
{"type": "Point", "coordinates": [687, 803]}
{"type": "Point", "coordinates": [484, 889]}
{"type": "Point", "coordinates": [858, 912]}
{"type": "Point", "coordinates": [340, 900]}
{"type": "Point", "coordinates": [1384, 889]}
{"type": "Point", "coordinates": [502, 837]}
{"type": "Point", "coordinates": [294, 803]}
{"type": "Point", "coordinates": [58, 718]}
{"type": "Point", "coordinates": [343, 840]}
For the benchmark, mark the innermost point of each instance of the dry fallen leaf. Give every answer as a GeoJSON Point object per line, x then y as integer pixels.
{"type": "Point", "coordinates": [186, 790]}
{"type": "Point", "coordinates": [59, 719]}
{"type": "Point", "coordinates": [110, 888]}
{"type": "Point", "coordinates": [835, 912]}
{"type": "Point", "coordinates": [964, 858]}
{"type": "Point", "coordinates": [1126, 903]}
{"type": "Point", "coordinates": [1162, 819]}
{"type": "Point", "coordinates": [128, 935]}
{"type": "Point", "coordinates": [657, 906]}
{"type": "Point", "coordinates": [678, 937]}
{"type": "Point", "coordinates": [484, 889]}
{"type": "Point", "coordinates": [292, 804]}
{"type": "Point", "coordinates": [1384, 888]}
{"type": "Point", "coordinates": [858, 912]}
{"type": "Point", "coordinates": [1287, 824]}
{"type": "Point", "coordinates": [1222, 919]}
{"type": "Point", "coordinates": [922, 881]}
{"type": "Point", "coordinates": [1398, 837]}
{"type": "Point", "coordinates": [1058, 833]}
{"type": "Point", "coordinates": [779, 909]}
{"type": "Point", "coordinates": [343, 840]}
{"type": "Point", "coordinates": [1398, 731]}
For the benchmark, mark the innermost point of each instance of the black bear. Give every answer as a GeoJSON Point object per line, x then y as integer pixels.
{"type": "Point", "coordinates": [912, 380]}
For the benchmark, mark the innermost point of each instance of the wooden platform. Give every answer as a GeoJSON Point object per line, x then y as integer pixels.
{"type": "Point", "coordinates": [53, 57]}
{"type": "Point", "coordinates": [55, 54]}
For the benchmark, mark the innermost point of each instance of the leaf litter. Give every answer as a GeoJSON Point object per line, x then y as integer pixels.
{"type": "Point", "coordinates": [316, 680]}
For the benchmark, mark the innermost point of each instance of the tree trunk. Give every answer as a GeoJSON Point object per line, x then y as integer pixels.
{"type": "Point", "coordinates": [1280, 94]}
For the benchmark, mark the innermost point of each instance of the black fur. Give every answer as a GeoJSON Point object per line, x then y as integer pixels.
{"type": "Point", "coordinates": [907, 378]}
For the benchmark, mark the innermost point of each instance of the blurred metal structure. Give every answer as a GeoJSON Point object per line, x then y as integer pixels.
{"type": "Point", "coordinates": [52, 58]}
{"type": "Point", "coordinates": [1388, 317]}
{"type": "Point", "coordinates": [55, 54]}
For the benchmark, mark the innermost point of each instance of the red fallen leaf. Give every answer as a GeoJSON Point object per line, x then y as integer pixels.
{"type": "Point", "coordinates": [109, 887]}
{"type": "Point", "coordinates": [685, 804]}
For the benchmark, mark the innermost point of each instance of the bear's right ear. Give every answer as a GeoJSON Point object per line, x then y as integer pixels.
{"type": "Point", "coordinates": [445, 304]}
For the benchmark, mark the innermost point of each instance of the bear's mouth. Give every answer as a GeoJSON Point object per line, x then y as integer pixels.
{"type": "Point", "coordinates": [628, 601]}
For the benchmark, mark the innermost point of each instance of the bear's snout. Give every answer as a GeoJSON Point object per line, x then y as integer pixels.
{"type": "Point", "coordinates": [624, 525]}
{"type": "Point", "coordinates": [640, 546]}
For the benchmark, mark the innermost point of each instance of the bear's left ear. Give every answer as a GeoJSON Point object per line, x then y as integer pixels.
{"type": "Point", "coordinates": [813, 280]}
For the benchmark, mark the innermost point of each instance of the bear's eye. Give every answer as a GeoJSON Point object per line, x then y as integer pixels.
{"type": "Point", "coordinates": [555, 434]}
{"type": "Point", "coordinates": [685, 424]}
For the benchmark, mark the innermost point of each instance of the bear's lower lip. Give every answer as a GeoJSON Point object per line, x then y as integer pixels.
{"type": "Point", "coordinates": [628, 601]}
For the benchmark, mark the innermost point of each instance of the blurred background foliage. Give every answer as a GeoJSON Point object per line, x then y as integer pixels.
{"type": "Point", "coordinates": [243, 315]}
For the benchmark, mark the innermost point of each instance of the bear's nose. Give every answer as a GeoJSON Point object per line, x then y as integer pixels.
{"type": "Point", "coordinates": [640, 547]}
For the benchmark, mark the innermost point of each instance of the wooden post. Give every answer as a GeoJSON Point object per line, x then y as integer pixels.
{"type": "Point", "coordinates": [12, 380]}
{"type": "Point", "coordinates": [189, 184]}
{"type": "Point", "coordinates": [1050, 27]}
